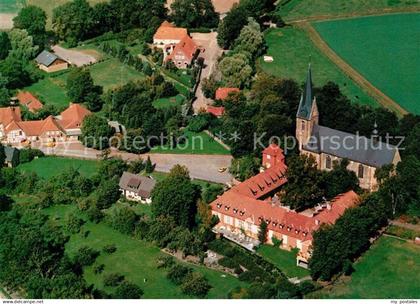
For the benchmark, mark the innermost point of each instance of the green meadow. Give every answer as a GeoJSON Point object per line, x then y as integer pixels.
{"type": "Point", "coordinates": [386, 52]}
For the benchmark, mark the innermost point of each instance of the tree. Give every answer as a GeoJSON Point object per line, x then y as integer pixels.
{"type": "Point", "coordinates": [176, 196]}
{"type": "Point", "coordinates": [33, 19]}
{"type": "Point", "coordinates": [107, 193]}
{"type": "Point", "coordinates": [2, 156]}
{"type": "Point", "coordinates": [5, 203]}
{"type": "Point", "coordinates": [251, 39]}
{"type": "Point", "coordinates": [22, 45]}
{"type": "Point", "coordinates": [14, 73]}
{"type": "Point", "coordinates": [194, 13]}
{"type": "Point", "coordinates": [304, 183]}
{"type": "Point", "coordinates": [178, 273]}
{"type": "Point", "coordinates": [136, 166]}
{"type": "Point", "coordinates": [262, 232]}
{"type": "Point", "coordinates": [123, 219]}
{"type": "Point", "coordinates": [80, 88]}
{"type": "Point", "coordinates": [149, 167]}
{"type": "Point", "coordinates": [340, 180]}
{"type": "Point", "coordinates": [236, 70]}
{"type": "Point", "coordinates": [96, 132]}
{"type": "Point", "coordinates": [73, 223]}
{"type": "Point", "coordinates": [196, 284]}
{"type": "Point", "coordinates": [231, 26]}
{"type": "Point", "coordinates": [73, 21]}
{"type": "Point", "coordinates": [127, 290]}
{"type": "Point", "coordinates": [86, 256]}
{"type": "Point", "coordinates": [245, 167]}
{"type": "Point", "coordinates": [5, 45]}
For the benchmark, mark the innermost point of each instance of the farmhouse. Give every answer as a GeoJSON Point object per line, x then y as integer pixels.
{"type": "Point", "coordinates": [223, 93]}
{"type": "Point", "coordinates": [50, 62]}
{"type": "Point", "coordinates": [242, 209]}
{"type": "Point", "coordinates": [183, 53]}
{"type": "Point", "coordinates": [168, 34]}
{"type": "Point", "coordinates": [29, 101]}
{"type": "Point", "coordinates": [136, 187]}
{"type": "Point", "coordinates": [63, 127]}
{"type": "Point", "coordinates": [327, 145]}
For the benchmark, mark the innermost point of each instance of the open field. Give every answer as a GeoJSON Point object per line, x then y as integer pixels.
{"type": "Point", "coordinates": [284, 260]}
{"type": "Point", "coordinates": [51, 90]}
{"type": "Point", "coordinates": [327, 9]}
{"type": "Point", "coordinates": [392, 67]}
{"type": "Point", "coordinates": [168, 102]}
{"type": "Point", "coordinates": [292, 51]}
{"type": "Point", "coordinates": [135, 259]}
{"type": "Point", "coordinates": [196, 143]}
{"type": "Point", "coordinates": [390, 269]}
{"type": "Point", "coordinates": [47, 167]}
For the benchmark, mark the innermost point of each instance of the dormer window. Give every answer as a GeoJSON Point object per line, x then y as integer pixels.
{"type": "Point", "coordinates": [241, 213]}
{"type": "Point", "coordinates": [227, 208]}
{"type": "Point", "coordinates": [235, 210]}
{"type": "Point", "coordinates": [219, 205]}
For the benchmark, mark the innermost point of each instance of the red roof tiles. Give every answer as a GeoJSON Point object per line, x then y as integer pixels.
{"type": "Point", "coordinates": [30, 101]}
{"type": "Point", "coordinates": [223, 93]}
{"type": "Point", "coordinates": [9, 114]}
{"type": "Point", "coordinates": [73, 116]}
{"type": "Point", "coordinates": [168, 31]}
{"type": "Point", "coordinates": [216, 111]}
{"type": "Point", "coordinates": [186, 47]}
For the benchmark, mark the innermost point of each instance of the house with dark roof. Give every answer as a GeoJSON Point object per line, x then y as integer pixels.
{"type": "Point", "coordinates": [243, 208]}
{"type": "Point", "coordinates": [12, 156]}
{"type": "Point", "coordinates": [326, 145]}
{"type": "Point", "coordinates": [136, 187]}
{"type": "Point", "coordinates": [50, 62]}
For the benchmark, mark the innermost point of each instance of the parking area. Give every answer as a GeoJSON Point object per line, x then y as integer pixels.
{"type": "Point", "coordinates": [77, 58]}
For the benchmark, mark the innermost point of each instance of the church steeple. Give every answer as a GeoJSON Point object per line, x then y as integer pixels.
{"type": "Point", "coordinates": [307, 98]}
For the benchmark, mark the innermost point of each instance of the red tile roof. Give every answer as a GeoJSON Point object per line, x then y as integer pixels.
{"type": "Point", "coordinates": [216, 111]}
{"type": "Point", "coordinates": [280, 219]}
{"type": "Point", "coordinates": [29, 100]}
{"type": "Point", "coordinates": [35, 127]}
{"type": "Point", "coordinates": [186, 47]}
{"type": "Point", "coordinates": [73, 116]}
{"type": "Point", "coordinates": [223, 93]}
{"type": "Point", "coordinates": [168, 31]}
{"type": "Point", "coordinates": [9, 114]}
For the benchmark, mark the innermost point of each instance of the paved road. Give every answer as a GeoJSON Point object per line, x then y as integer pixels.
{"type": "Point", "coordinates": [203, 167]}
{"type": "Point", "coordinates": [78, 58]}
{"type": "Point", "coordinates": [212, 51]}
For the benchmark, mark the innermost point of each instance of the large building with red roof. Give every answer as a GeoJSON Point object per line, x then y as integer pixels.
{"type": "Point", "coordinates": [242, 209]}
{"type": "Point", "coordinates": [63, 127]}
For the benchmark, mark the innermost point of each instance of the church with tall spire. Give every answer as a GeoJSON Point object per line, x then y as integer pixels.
{"type": "Point", "coordinates": [326, 145]}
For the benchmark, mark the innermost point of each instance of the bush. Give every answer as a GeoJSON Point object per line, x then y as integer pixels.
{"type": "Point", "coordinates": [94, 214]}
{"type": "Point", "coordinates": [228, 263]}
{"type": "Point", "coordinates": [128, 290]}
{"type": "Point", "coordinates": [199, 123]}
{"type": "Point", "coordinates": [247, 276]}
{"type": "Point", "coordinates": [177, 273]}
{"type": "Point", "coordinates": [86, 256]}
{"type": "Point", "coordinates": [113, 279]}
{"type": "Point", "coordinates": [27, 155]}
{"type": "Point", "coordinates": [276, 241]}
{"type": "Point", "coordinates": [73, 223]}
{"type": "Point", "coordinates": [123, 219]}
{"type": "Point", "coordinates": [195, 284]}
{"type": "Point", "coordinates": [165, 261]}
{"type": "Point", "coordinates": [111, 248]}
{"type": "Point", "coordinates": [98, 268]}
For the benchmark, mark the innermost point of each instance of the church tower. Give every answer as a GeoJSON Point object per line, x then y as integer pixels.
{"type": "Point", "coordinates": [307, 115]}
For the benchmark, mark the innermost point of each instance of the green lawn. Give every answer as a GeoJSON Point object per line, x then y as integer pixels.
{"type": "Point", "coordinates": [394, 66]}
{"type": "Point", "coordinates": [11, 6]}
{"type": "Point", "coordinates": [292, 51]}
{"type": "Point", "coordinates": [51, 91]}
{"type": "Point", "coordinates": [47, 167]}
{"type": "Point", "coordinates": [284, 260]}
{"type": "Point", "coordinates": [169, 102]}
{"type": "Point", "coordinates": [390, 269]}
{"type": "Point", "coordinates": [196, 143]}
{"type": "Point", "coordinates": [301, 9]}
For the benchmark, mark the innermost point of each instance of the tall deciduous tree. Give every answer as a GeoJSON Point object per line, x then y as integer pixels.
{"type": "Point", "coordinates": [33, 19]}
{"type": "Point", "coordinates": [176, 196]}
{"type": "Point", "coordinates": [194, 13]}
{"type": "Point", "coordinates": [96, 132]}
{"type": "Point", "coordinates": [251, 39]}
{"type": "Point", "coordinates": [304, 187]}
{"type": "Point", "coordinates": [236, 70]}
{"type": "Point", "coordinates": [231, 26]}
{"type": "Point", "coordinates": [80, 88]}
{"type": "Point", "coordinates": [5, 45]}
{"type": "Point", "coordinates": [22, 45]}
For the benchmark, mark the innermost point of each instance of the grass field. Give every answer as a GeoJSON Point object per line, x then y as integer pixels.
{"type": "Point", "coordinates": [292, 51]}
{"type": "Point", "coordinates": [394, 66]}
{"type": "Point", "coordinates": [390, 269]}
{"type": "Point", "coordinates": [169, 102]}
{"type": "Point", "coordinates": [284, 260]}
{"type": "Point", "coordinates": [302, 9]}
{"type": "Point", "coordinates": [47, 167]}
{"type": "Point", "coordinates": [11, 6]}
{"type": "Point", "coordinates": [195, 143]}
{"type": "Point", "coordinates": [135, 259]}
{"type": "Point", "coordinates": [109, 74]}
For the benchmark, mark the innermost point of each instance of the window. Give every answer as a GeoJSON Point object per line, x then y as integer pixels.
{"type": "Point", "coordinates": [361, 172]}
{"type": "Point", "coordinates": [328, 162]}
{"type": "Point", "coordinates": [303, 126]}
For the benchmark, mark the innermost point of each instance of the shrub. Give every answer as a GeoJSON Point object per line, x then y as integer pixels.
{"type": "Point", "coordinates": [195, 284]}
{"type": "Point", "coordinates": [73, 223]}
{"type": "Point", "coordinates": [165, 261]}
{"type": "Point", "coordinates": [98, 268]}
{"type": "Point", "coordinates": [228, 263]}
{"type": "Point", "coordinates": [27, 155]}
{"type": "Point", "coordinates": [247, 276]}
{"type": "Point", "coordinates": [177, 273]}
{"type": "Point", "coordinates": [111, 248]}
{"type": "Point", "coordinates": [94, 214]}
{"type": "Point", "coordinates": [276, 241]}
{"type": "Point", "coordinates": [86, 256]}
{"type": "Point", "coordinates": [199, 123]}
{"type": "Point", "coordinates": [127, 290]}
{"type": "Point", "coordinates": [113, 279]}
{"type": "Point", "coordinates": [123, 219]}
